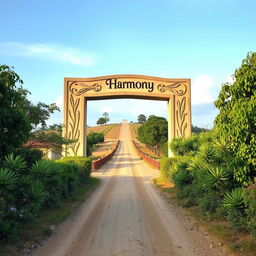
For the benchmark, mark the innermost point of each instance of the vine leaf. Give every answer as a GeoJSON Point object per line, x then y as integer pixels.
{"type": "Point", "coordinates": [181, 118]}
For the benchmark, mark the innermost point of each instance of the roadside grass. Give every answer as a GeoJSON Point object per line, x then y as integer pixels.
{"type": "Point", "coordinates": [235, 243]}
{"type": "Point", "coordinates": [43, 226]}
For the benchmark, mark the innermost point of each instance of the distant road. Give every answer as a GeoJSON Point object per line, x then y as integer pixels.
{"type": "Point", "coordinates": [127, 216]}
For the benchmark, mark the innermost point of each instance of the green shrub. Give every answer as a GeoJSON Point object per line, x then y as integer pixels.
{"type": "Point", "coordinates": [250, 203]}
{"type": "Point", "coordinates": [185, 146]}
{"type": "Point", "coordinates": [182, 178]}
{"type": "Point", "coordinates": [29, 155]}
{"type": "Point", "coordinates": [84, 163]}
{"type": "Point", "coordinates": [166, 165]}
{"type": "Point", "coordinates": [209, 202]}
{"type": "Point", "coordinates": [25, 191]}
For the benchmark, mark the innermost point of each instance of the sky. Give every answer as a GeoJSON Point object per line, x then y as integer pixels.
{"type": "Point", "coordinates": [204, 40]}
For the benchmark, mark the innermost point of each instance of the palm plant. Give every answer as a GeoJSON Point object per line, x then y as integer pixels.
{"type": "Point", "coordinates": [234, 199]}
{"type": "Point", "coordinates": [36, 195]}
{"type": "Point", "coordinates": [206, 152]}
{"type": "Point", "coordinates": [15, 163]}
{"type": "Point", "coordinates": [215, 178]}
{"type": "Point", "coordinates": [8, 180]}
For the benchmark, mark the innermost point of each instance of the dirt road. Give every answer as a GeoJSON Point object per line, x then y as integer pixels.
{"type": "Point", "coordinates": [127, 216]}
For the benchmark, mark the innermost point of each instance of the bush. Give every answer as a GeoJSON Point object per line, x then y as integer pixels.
{"type": "Point", "coordinates": [250, 203]}
{"type": "Point", "coordinates": [84, 163]}
{"type": "Point", "coordinates": [24, 190]}
{"type": "Point", "coordinates": [29, 155]}
{"type": "Point", "coordinates": [166, 165]}
{"type": "Point", "coordinates": [182, 178]}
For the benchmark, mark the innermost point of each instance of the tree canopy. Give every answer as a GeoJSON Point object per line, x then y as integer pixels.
{"type": "Point", "coordinates": [142, 119]}
{"type": "Point", "coordinates": [154, 132]}
{"type": "Point", "coordinates": [14, 123]}
{"type": "Point", "coordinates": [236, 121]}
{"type": "Point", "coordinates": [18, 116]}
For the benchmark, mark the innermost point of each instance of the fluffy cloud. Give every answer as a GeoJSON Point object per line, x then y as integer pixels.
{"type": "Point", "coordinates": [54, 52]}
{"type": "Point", "coordinates": [202, 90]}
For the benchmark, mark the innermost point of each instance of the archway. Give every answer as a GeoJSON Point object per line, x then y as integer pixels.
{"type": "Point", "coordinates": [78, 90]}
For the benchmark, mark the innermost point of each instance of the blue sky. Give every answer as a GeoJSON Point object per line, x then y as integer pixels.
{"type": "Point", "coordinates": [203, 40]}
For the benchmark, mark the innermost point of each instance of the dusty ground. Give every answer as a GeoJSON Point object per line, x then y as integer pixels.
{"type": "Point", "coordinates": [127, 216]}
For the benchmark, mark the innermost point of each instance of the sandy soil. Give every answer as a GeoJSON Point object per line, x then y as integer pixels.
{"type": "Point", "coordinates": [126, 215]}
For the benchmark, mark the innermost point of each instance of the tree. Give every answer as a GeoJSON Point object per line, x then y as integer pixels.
{"type": "Point", "coordinates": [14, 123]}
{"type": "Point", "coordinates": [236, 121]}
{"type": "Point", "coordinates": [142, 119]}
{"type": "Point", "coordinates": [101, 121]}
{"type": "Point", "coordinates": [39, 113]}
{"type": "Point", "coordinates": [106, 116]}
{"type": "Point", "coordinates": [154, 132]}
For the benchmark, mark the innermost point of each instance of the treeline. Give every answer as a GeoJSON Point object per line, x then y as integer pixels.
{"type": "Point", "coordinates": [216, 170]}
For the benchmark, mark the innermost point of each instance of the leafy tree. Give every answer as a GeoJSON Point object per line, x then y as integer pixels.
{"type": "Point", "coordinates": [101, 121]}
{"type": "Point", "coordinates": [154, 132]}
{"type": "Point", "coordinates": [14, 124]}
{"type": "Point", "coordinates": [236, 121]}
{"type": "Point", "coordinates": [39, 113]}
{"type": "Point", "coordinates": [106, 116]}
{"type": "Point", "coordinates": [142, 119]}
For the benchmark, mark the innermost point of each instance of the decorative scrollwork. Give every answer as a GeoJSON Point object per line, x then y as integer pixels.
{"type": "Point", "coordinates": [181, 118]}
{"type": "Point", "coordinates": [178, 88]}
{"type": "Point", "coordinates": [79, 88]}
{"type": "Point", "coordinates": [74, 117]}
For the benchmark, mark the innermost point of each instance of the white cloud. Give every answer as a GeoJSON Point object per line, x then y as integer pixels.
{"type": "Point", "coordinates": [54, 52]}
{"type": "Point", "coordinates": [202, 90]}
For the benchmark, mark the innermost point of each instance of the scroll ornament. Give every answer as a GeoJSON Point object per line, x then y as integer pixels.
{"type": "Point", "coordinates": [178, 88]}
{"type": "Point", "coordinates": [79, 88]}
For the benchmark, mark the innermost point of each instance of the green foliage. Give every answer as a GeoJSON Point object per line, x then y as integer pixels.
{"type": "Point", "coordinates": [165, 166]}
{"type": "Point", "coordinates": [182, 178]}
{"type": "Point", "coordinates": [234, 199]}
{"type": "Point", "coordinates": [84, 163]}
{"type": "Point", "coordinates": [215, 179]}
{"type": "Point", "coordinates": [25, 190]}
{"type": "Point", "coordinates": [93, 138]}
{"type": "Point", "coordinates": [101, 121]}
{"type": "Point", "coordinates": [8, 181]}
{"type": "Point", "coordinates": [14, 124]}
{"type": "Point", "coordinates": [142, 119]}
{"type": "Point", "coordinates": [236, 121]}
{"type": "Point", "coordinates": [154, 132]}
{"type": "Point", "coordinates": [14, 163]}
{"type": "Point", "coordinates": [250, 203]}
{"type": "Point", "coordinates": [29, 155]}
{"type": "Point", "coordinates": [185, 146]}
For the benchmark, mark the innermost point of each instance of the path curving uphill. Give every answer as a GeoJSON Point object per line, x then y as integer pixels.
{"type": "Point", "coordinates": [127, 216]}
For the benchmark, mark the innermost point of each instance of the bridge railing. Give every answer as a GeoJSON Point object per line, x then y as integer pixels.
{"type": "Point", "coordinates": [96, 164]}
{"type": "Point", "coordinates": [145, 157]}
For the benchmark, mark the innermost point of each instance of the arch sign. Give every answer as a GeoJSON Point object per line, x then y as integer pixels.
{"type": "Point", "coordinates": [77, 91]}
